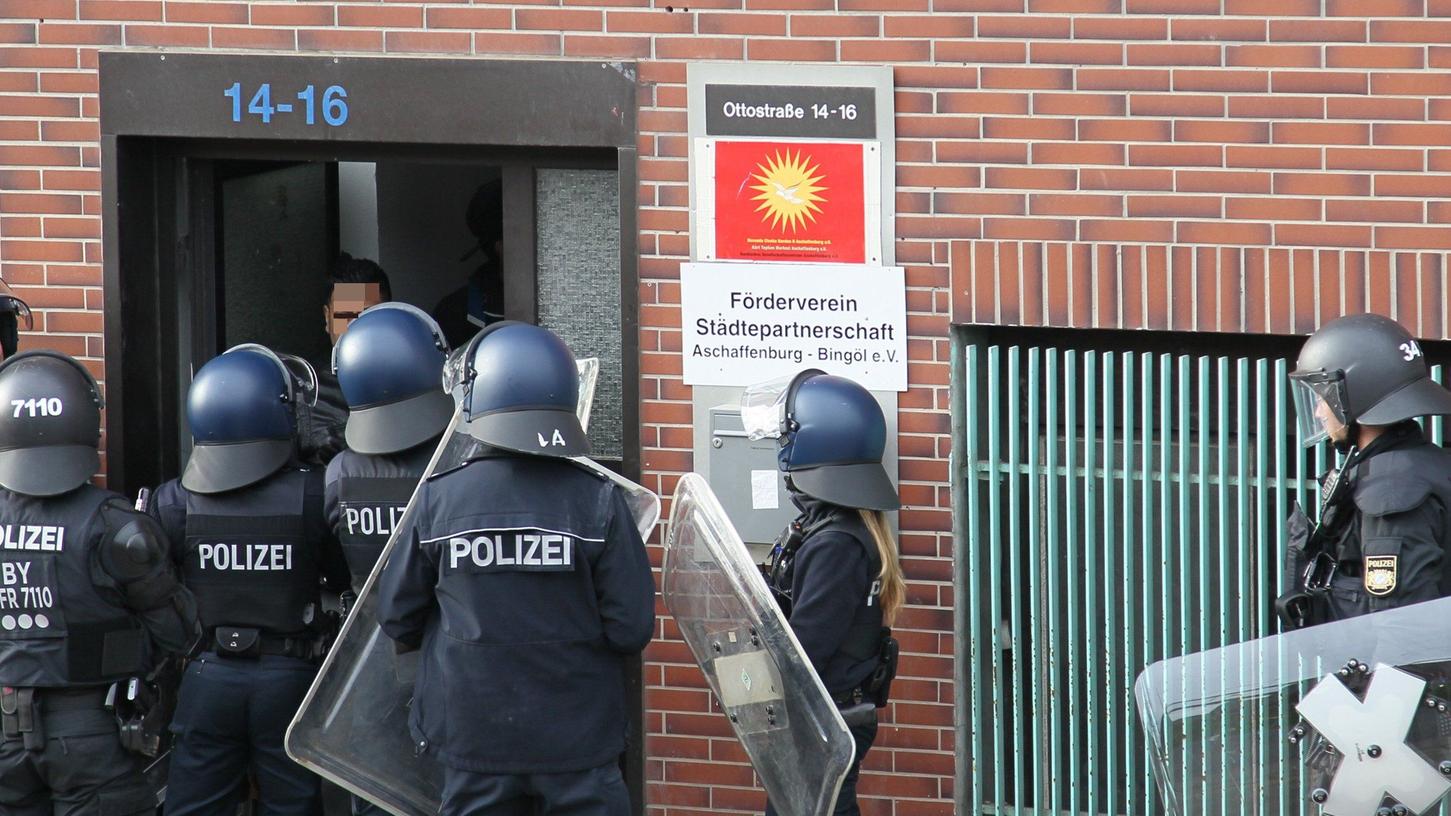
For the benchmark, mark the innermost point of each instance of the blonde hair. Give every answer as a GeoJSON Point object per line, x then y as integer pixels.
{"type": "Point", "coordinates": [894, 588]}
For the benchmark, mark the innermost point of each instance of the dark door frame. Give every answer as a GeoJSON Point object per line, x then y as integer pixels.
{"type": "Point", "coordinates": [165, 120]}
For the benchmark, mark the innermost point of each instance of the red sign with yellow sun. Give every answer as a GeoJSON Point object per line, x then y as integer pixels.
{"type": "Point", "coordinates": [789, 201]}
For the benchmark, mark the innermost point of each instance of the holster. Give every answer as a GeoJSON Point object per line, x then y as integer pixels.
{"type": "Point", "coordinates": [143, 711]}
{"type": "Point", "coordinates": [20, 717]}
{"type": "Point", "coordinates": [1299, 605]}
{"type": "Point", "coordinates": [879, 684]}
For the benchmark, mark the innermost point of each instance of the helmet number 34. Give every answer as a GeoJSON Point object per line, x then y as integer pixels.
{"type": "Point", "coordinates": [1411, 350]}
{"type": "Point", "coordinates": [43, 406]}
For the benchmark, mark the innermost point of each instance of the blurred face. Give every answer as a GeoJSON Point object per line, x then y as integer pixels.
{"type": "Point", "coordinates": [347, 302]}
{"type": "Point", "coordinates": [1336, 430]}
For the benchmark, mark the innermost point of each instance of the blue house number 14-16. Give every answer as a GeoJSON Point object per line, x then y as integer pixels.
{"type": "Point", "coordinates": [334, 104]}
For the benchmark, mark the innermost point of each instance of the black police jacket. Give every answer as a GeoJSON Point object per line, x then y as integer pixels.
{"type": "Point", "coordinates": [1397, 550]}
{"type": "Point", "coordinates": [832, 593]}
{"type": "Point", "coordinates": [321, 426]}
{"type": "Point", "coordinates": [88, 594]}
{"type": "Point", "coordinates": [526, 584]}
{"type": "Point", "coordinates": [257, 556]}
{"type": "Point", "coordinates": [364, 499]}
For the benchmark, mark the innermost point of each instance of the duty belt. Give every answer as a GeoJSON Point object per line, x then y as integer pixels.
{"type": "Point", "coordinates": [246, 642]}
{"type": "Point", "coordinates": [21, 707]}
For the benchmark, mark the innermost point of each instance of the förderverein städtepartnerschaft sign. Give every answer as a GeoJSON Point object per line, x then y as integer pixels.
{"type": "Point", "coordinates": [743, 323]}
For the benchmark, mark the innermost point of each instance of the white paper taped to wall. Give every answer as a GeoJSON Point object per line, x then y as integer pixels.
{"type": "Point", "coordinates": [764, 495]}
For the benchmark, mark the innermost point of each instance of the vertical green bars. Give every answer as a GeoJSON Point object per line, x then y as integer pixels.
{"type": "Point", "coordinates": [1114, 509]}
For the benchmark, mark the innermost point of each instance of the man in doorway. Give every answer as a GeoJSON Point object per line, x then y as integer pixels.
{"type": "Point", "coordinates": [354, 284]}
{"type": "Point", "coordinates": [480, 301]}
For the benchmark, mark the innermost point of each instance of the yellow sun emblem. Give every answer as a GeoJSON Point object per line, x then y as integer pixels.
{"type": "Point", "coordinates": [790, 190]}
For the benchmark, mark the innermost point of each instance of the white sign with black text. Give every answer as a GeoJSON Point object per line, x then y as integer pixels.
{"type": "Point", "coordinates": [744, 322]}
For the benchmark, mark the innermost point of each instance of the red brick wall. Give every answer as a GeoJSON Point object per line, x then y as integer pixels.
{"type": "Point", "coordinates": [1275, 290]}
{"type": "Point", "coordinates": [1027, 129]}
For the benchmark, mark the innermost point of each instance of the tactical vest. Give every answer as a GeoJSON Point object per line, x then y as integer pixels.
{"type": "Point", "coordinates": [1405, 565]}
{"type": "Point", "coordinates": [57, 626]}
{"type": "Point", "coordinates": [863, 638]}
{"type": "Point", "coordinates": [372, 494]}
{"type": "Point", "coordinates": [248, 557]}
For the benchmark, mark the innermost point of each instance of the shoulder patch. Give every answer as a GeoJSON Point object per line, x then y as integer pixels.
{"type": "Point", "coordinates": [857, 533]}
{"type": "Point", "coordinates": [1390, 484]}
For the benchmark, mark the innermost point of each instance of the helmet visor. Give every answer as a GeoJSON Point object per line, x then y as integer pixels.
{"type": "Point", "coordinates": [456, 372]}
{"type": "Point", "coordinates": [299, 373]}
{"type": "Point", "coordinates": [763, 408]}
{"type": "Point", "coordinates": [1320, 405]}
{"type": "Point", "coordinates": [589, 376]}
{"type": "Point", "coordinates": [304, 378]}
{"type": "Point", "coordinates": [18, 307]}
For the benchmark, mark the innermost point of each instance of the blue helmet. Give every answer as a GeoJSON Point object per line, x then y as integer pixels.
{"type": "Point", "coordinates": [519, 386]}
{"type": "Point", "coordinates": [833, 441]}
{"type": "Point", "coordinates": [389, 363]}
{"type": "Point", "coordinates": [242, 409]}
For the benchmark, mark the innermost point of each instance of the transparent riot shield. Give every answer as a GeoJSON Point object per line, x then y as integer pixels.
{"type": "Point", "coordinates": [792, 731]}
{"type": "Point", "coordinates": [1345, 719]}
{"type": "Point", "coordinates": [352, 727]}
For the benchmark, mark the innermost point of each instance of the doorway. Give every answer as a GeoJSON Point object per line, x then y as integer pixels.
{"type": "Point", "coordinates": [219, 231]}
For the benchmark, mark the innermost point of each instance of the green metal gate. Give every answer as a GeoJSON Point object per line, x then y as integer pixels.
{"type": "Point", "coordinates": [1111, 510]}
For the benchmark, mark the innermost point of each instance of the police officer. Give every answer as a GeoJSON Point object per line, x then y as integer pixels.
{"type": "Point", "coordinates": [1384, 536]}
{"type": "Point", "coordinates": [88, 598]}
{"type": "Point", "coordinates": [834, 570]}
{"type": "Point", "coordinates": [389, 364]}
{"type": "Point", "coordinates": [525, 583]}
{"type": "Point", "coordinates": [254, 547]}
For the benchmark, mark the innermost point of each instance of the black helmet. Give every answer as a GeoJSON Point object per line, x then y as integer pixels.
{"type": "Point", "coordinates": [242, 407]}
{"type": "Point", "coordinates": [389, 363]}
{"type": "Point", "coordinates": [831, 434]}
{"type": "Point", "coordinates": [12, 311]}
{"type": "Point", "coordinates": [1367, 370]}
{"type": "Point", "coordinates": [519, 386]}
{"type": "Point", "coordinates": [50, 424]}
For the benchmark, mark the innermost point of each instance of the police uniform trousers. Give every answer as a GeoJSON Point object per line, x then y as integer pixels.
{"type": "Point", "coordinates": [80, 770]}
{"type": "Point", "coordinates": [232, 715]}
{"type": "Point", "coordinates": [595, 792]}
{"type": "Point", "coordinates": [863, 734]}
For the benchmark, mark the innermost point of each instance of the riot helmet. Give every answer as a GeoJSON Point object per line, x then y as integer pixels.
{"type": "Point", "coordinates": [1362, 369]}
{"type": "Point", "coordinates": [518, 385]}
{"type": "Point", "coordinates": [50, 425]}
{"type": "Point", "coordinates": [13, 310]}
{"type": "Point", "coordinates": [388, 365]}
{"type": "Point", "coordinates": [243, 408]}
{"type": "Point", "coordinates": [831, 437]}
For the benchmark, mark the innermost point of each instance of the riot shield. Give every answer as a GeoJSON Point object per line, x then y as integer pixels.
{"type": "Point", "coordinates": [791, 730]}
{"type": "Point", "coordinates": [1346, 719]}
{"type": "Point", "coordinates": [352, 727]}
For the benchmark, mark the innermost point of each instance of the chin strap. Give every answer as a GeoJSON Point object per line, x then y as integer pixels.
{"type": "Point", "coordinates": [1345, 446]}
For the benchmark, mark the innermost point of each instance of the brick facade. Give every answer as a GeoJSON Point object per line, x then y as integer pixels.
{"type": "Point", "coordinates": [1060, 162]}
